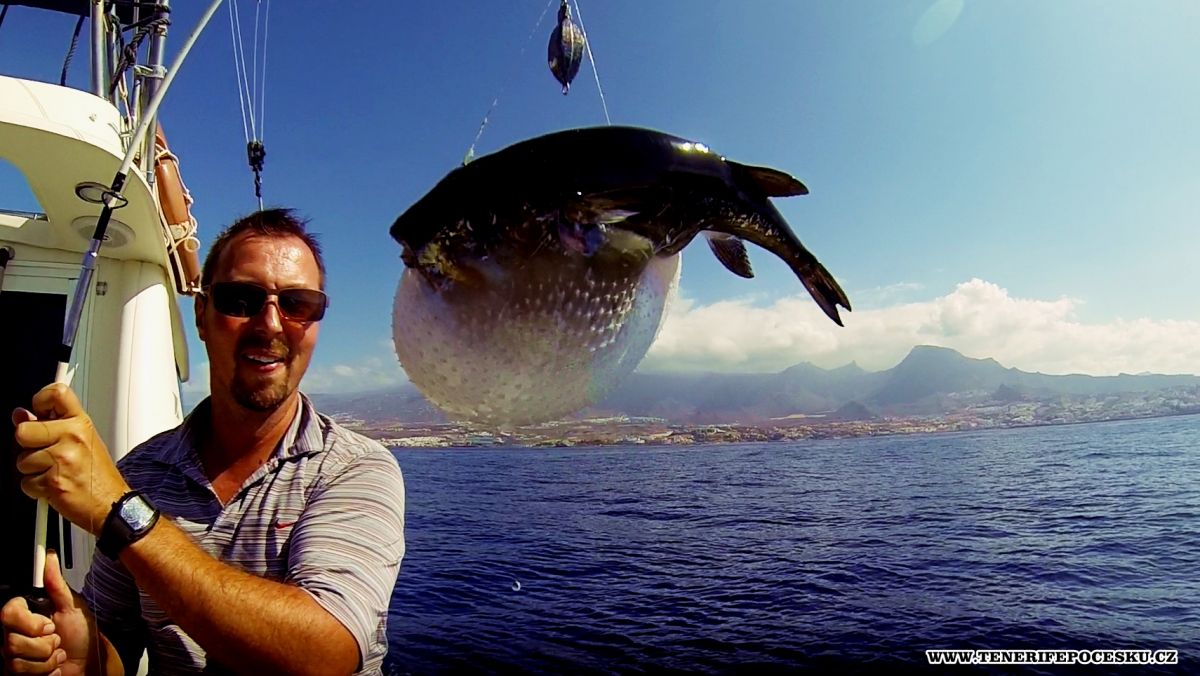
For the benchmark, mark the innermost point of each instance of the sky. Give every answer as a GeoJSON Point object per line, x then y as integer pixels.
{"type": "Point", "coordinates": [1016, 180]}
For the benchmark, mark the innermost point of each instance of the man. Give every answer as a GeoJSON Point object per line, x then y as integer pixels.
{"type": "Point", "coordinates": [282, 532]}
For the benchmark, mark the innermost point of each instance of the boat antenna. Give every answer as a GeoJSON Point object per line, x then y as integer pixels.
{"type": "Point", "coordinates": [496, 101]}
{"type": "Point", "coordinates": [252, 96]}
{"type": "Point", "coordinates": [113, 199]}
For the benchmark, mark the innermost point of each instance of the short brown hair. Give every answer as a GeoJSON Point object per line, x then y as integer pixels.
{"type": "Point", "coordinates": [268, 223]}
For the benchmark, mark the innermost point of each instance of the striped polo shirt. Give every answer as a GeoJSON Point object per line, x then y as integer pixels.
{"type": "Point", "coordinates": [325, 513]}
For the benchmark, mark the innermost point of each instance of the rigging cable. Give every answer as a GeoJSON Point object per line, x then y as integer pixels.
{"type": "Point", "coordinates": [249, 91]}
{"type": "Point", "coordinates": [62, 80]}
{"type": "Point", "coordinates": [471, 151]}
{"type": "Point", "coordinates": [587, 43]}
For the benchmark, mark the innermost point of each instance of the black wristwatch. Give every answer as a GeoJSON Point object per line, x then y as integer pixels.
{"type": "Point", "coordinates": [129, 520]}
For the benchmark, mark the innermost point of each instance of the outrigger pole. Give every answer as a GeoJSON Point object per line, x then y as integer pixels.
{"type": "Point", "coordinates": [112, 200]}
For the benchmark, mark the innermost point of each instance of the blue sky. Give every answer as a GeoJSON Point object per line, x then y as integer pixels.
{"type": "Point", "coordinates": [1014, 179]}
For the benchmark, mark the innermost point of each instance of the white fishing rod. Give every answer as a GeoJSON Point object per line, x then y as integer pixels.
{"type": "Point", "coordinates": [112, 200]}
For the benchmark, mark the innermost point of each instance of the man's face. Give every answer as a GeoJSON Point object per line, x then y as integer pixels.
{"type": "Point", "coordinates": [258, 361]}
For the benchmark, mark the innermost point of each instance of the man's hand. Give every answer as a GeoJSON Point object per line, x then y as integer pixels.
{"type": "Point", "coordinates": [35, 644]}
{"type": "Point", "coordinates": [65, 461]}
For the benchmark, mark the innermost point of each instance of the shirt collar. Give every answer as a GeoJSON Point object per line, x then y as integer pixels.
{"type": "Point", "coordinates": [303, 436]}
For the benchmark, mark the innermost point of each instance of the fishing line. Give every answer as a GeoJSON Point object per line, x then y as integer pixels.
{"type": "Point", "coordinates": [587, 44]}
{"type": "Point", "coordinates": [471, 151]}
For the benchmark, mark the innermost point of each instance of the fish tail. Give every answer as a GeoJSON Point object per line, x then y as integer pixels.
{"type": "Point", "coordinates": [768, 229]}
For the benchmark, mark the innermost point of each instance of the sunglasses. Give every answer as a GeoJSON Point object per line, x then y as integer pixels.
{"type": "Point", "coordinates": [243, 299]}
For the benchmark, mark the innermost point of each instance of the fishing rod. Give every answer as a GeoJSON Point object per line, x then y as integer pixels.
{"type": "Point", "coordinates": [38, 599]}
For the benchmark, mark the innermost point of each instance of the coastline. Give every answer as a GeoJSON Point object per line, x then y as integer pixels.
{"type": "Point", "coordinates": [624, 431]}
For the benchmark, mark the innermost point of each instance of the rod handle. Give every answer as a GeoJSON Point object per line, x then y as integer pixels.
{"type": "Point", "coordinates": [39, 602]}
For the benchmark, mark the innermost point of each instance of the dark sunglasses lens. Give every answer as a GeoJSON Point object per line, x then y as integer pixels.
{"type": "Point", "coordinates": [238, 300]}
{"type": "Point", "coordinates": [305, 305]}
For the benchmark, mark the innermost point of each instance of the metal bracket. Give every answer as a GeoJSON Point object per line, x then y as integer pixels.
{"type": "Point", "coordinates": [156, 72]}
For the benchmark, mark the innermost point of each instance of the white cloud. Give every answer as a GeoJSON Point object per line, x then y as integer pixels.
{"type": "Point", "coordinates": [977, 318]}
{"type": "Point", "coordinates": [373, 372]}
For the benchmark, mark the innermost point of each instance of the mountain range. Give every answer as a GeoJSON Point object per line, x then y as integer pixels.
{"type": "Point", "coordinates": [928, 381]}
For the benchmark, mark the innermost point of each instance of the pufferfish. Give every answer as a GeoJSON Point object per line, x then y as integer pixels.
{"type": "Point", "coordinates": [537, 277]}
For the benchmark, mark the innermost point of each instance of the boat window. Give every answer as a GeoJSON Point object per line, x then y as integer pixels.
{"type": "Point", "coordinates": [15, 194]}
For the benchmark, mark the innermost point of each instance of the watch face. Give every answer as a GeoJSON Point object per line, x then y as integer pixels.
{"type": "Point", "coordinates": [137, 513]}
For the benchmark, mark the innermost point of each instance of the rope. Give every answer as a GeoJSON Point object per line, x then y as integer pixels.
{"type": "Point", "coordinates": [496, 101]}
{"type": "Point", "coordinates": [587, 43]}
{"type": "Point", "coordinates": [129, 50]}
{"type": "Point", "coordinates": [62, 80]}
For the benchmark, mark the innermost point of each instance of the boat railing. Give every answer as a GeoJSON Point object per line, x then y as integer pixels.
{"type": "Point", "coordinates": [125, 72]}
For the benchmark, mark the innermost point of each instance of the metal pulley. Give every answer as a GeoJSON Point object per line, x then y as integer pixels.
{"type": "Point", "coordinates": [256, 155]}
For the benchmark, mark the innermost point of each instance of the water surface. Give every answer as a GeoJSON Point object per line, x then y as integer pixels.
{"type": "Point", "coordinates": [848, 553]}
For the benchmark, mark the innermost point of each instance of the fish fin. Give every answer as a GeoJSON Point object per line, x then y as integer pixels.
{"type": "Point", "coordinates": [629, 245]}
{"type": "Point", "coordinates": [614, 216]}
{"type": "Point", "coordinates": [771, 182]}
{"type": "Point", "coordinates": [606, 208]}
{"type": "Point", "coordinates": [824, 289]}
{"type": "Point", "coordinates": [768, 230]}
{"type": "Point", "coordinates": [623, 250]}
{"type": "Point", "coordinates": [731, 251]}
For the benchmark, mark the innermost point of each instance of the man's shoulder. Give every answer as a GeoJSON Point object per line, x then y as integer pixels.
{"type": "Point", "coordinates": [348, 456]}
{"type": "Point", "coordinates": [343, 445]}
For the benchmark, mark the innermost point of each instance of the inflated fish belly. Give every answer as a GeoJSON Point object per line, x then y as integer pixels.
{"type": "Point", "coordinates": [535, 348]}
{"type": "Point", "coordinates": [537, 277]}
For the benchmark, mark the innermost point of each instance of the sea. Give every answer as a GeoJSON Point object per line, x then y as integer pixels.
{"type": "Point", "coordinates": [849, 554]}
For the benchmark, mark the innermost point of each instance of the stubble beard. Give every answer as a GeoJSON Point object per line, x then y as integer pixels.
{"type": "Point", "coordinates": [263, 397]}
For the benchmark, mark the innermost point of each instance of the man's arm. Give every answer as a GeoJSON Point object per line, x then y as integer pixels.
{"type": "Point", "coordinates": [346, 551]}
{"type": "Point", "coordinates": [244, 622]}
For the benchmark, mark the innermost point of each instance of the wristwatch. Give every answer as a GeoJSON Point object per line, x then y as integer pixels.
{"type": "Point", "coordinates": [130, 519]}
